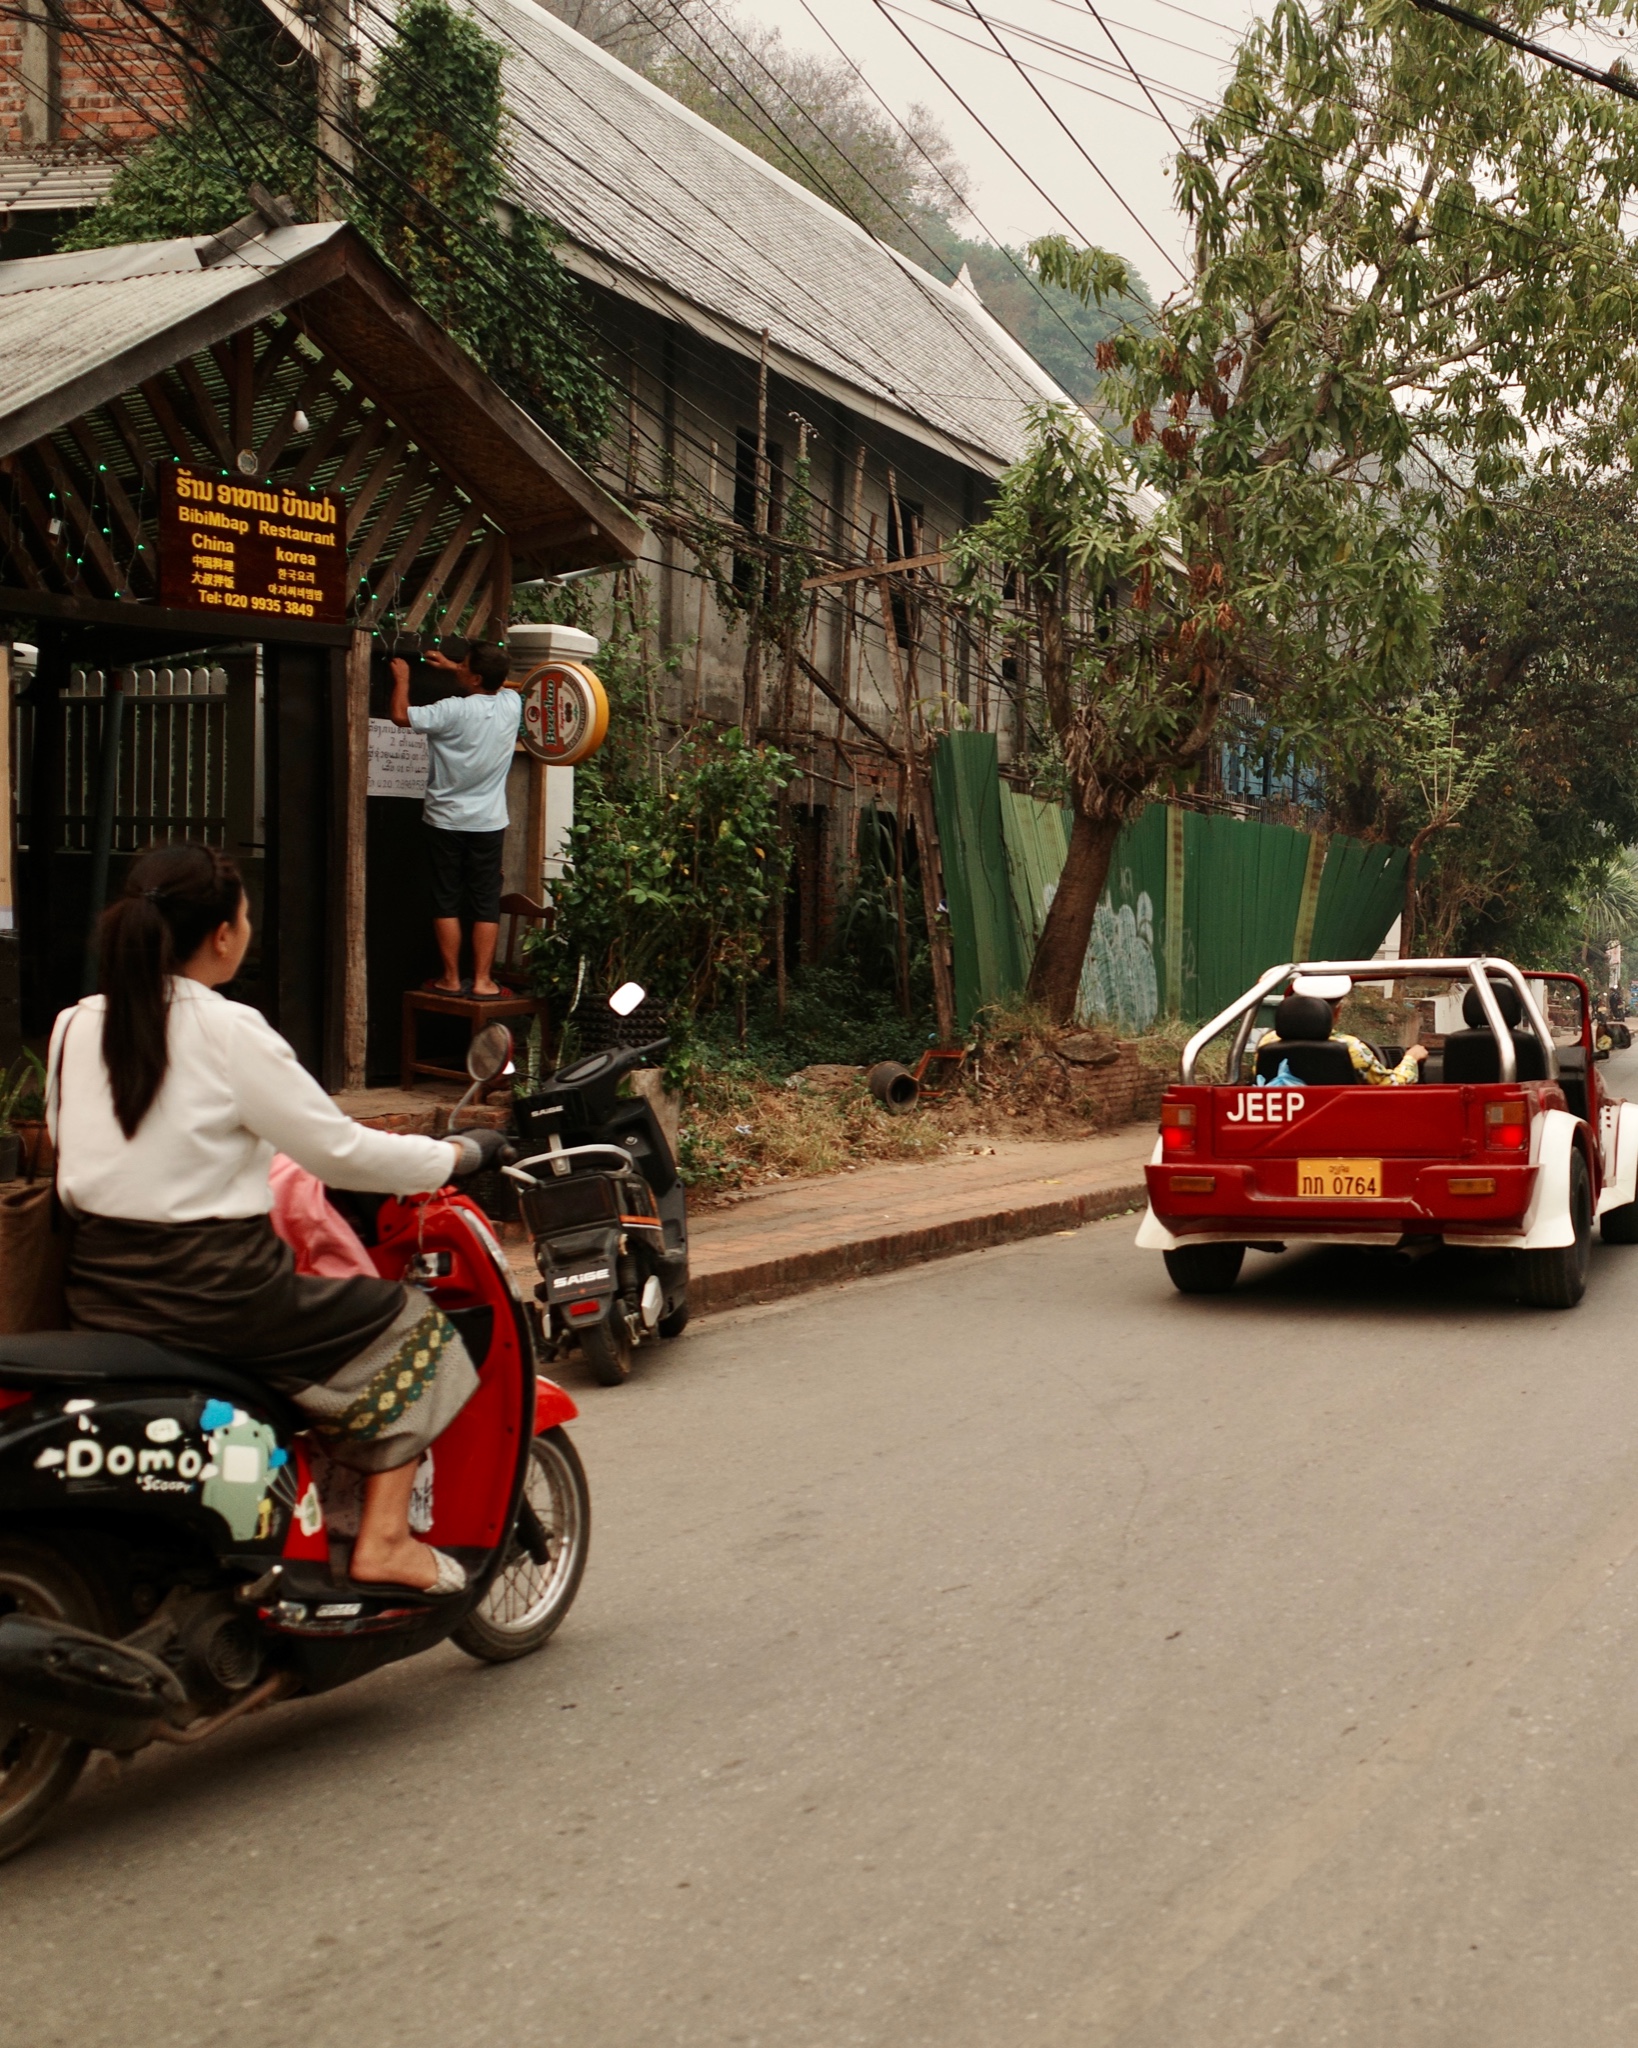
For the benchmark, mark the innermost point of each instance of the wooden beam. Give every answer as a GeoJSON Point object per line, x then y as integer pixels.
{"type": "Point", "coordinates": [165, 418]}
{"type": "Point", "coordinates": [144, 560]}
{"type": "Point", "coordinates": [186, 628]}
{"type": "Point", "coordinates": [348, 906]}
{"type": "Point", "coordinates": [74, 500]}
{"type": "Point", "coordinates": [826, 688]}
{"type": "Point", "coordinates": [390, 581]}
{"type": "Point", "coordinates": [490, 613]}
{"type": "Point", "coordinates": [39, 516]}
{"type": "Point", "coordinates": [120, 414]}
{"type": "Point", "coordinates": [448, 556]}
{"type": "Point", "coordinates": [17, 547]}
{"type": "Point", "coordinates": [305, 394]}
{"type": "Point", "coordinates": [272, 359]}
{"type": "Point", "coordinates": [477, 564]}
{"type": "Point", "coordinates": [364, 552]}
{"type": "Point", "coordinates": [383, 467]}
{"type": "Point", "coordinates": [833, 577]}
{"type": "Point", "coordinates": [201, 413]}
{"type": "Point", "coordinates": [348, 408]}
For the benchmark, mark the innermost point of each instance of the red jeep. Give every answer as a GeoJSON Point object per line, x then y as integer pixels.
{"type": "Point", "coordinates": [1506, 1141]}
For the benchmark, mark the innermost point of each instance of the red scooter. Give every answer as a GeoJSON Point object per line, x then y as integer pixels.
{"type": "Point", "coordinates": [167, 1561]}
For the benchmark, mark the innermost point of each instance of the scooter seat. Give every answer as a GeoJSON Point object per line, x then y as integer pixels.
{"type": "Point", "coordinates": [79, 1360]}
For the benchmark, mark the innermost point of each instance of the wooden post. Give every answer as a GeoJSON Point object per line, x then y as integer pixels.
{"type": "Point", "coordinates": [759, 569]}
{"type": "Point", "coordinates": [916, 798]}
{"type": "Point", "coordinates": [347, 868]}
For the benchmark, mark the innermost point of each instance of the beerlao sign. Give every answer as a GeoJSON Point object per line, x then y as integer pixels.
{"type": "Point", "coordinates": [255, 548]}
{"type": "Point", "coordinates": [565, 713]}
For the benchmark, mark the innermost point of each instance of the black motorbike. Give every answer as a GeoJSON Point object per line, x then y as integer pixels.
{"type": "Point", "coordinates": [599, 1192]}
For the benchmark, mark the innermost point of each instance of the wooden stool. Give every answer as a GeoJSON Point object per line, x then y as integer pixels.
{"type": "Point", "coordinates": [478, 1012]}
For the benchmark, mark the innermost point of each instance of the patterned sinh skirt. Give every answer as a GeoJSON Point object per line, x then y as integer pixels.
{"type": "Point", "coordinates": [380, 1370]}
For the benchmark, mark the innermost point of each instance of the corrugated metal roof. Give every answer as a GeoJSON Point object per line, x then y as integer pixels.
{"type": "Point", "coordinates": [675, 214]}
{"type": "Point", "coordinates": [63, 316]}
{"type": "Point", "coordinates": [47, 184]}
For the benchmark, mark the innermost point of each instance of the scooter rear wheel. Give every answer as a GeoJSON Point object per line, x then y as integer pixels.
{"type": "Point", "coordinates": [38, 1769]}
{"type": "Point", "coordinates": [606, 1348]}
{"type": "Point", "coordinates": [527, 1600]}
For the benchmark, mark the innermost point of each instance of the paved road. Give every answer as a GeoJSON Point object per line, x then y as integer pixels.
{"type": "Point", "coordinates": [1008, 1652]}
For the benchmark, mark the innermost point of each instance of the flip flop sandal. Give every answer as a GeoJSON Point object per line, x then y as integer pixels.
{"type": "Point", "coordinates": [450, 1581]}
{"type": "Point", "coordinates": [436, 988]}
{"type": "Point", "coordinates": [498, 995]}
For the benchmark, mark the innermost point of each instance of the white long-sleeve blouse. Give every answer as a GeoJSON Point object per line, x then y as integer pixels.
{"type": "Point", "coordinates": [234, 1093]}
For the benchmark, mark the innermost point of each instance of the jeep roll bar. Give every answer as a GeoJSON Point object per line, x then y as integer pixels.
{"type": "Point", "coordinates": [1478, 969]}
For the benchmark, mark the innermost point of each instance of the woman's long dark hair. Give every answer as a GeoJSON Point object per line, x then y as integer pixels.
{"type": "Point", "coordinates": [174, 899]}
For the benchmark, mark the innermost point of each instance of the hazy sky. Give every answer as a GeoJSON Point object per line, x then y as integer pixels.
{"type": "Point", "coordinates": [1179, 51]}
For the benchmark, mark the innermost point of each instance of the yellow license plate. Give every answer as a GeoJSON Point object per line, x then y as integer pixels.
{"type": "Point", "coordinates": [1340, 1180]}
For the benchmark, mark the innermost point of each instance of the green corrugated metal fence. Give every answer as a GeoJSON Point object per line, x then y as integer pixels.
{"type": "Point", "coordinates": [1195, 908]}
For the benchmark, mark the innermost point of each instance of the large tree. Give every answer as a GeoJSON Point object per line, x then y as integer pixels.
{"type": "Point", "coordinates": [1408, 261]}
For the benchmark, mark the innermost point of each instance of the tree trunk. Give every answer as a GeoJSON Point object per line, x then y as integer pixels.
{"type": "Point", "coordinates": [1055, 975]}
{"type": "Point", "coordinates": [1407, 919]}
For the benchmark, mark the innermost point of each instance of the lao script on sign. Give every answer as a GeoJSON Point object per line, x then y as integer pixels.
{"type": "Point", "coordinates": [398, 760]}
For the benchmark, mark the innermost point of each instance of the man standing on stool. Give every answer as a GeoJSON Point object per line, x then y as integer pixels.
{"type": "Point", "coordinates": [470, 739]}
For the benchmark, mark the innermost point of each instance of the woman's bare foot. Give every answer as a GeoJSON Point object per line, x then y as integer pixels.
{"type": "Point", "coordinates": [400, 1562]}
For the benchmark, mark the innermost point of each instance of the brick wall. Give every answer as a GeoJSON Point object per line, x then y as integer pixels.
{"type": "Point", "coordinates": [1126, 1091]}
{"type": "Point", "coordinates": [113, 79]}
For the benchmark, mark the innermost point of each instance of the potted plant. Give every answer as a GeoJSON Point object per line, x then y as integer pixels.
{"type": "Point", "coordinates": [22, 1115]}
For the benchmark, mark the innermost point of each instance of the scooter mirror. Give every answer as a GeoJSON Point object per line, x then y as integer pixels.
{"type": "Point", "coordinates": [626, 998]}
{"type": "Point", "coordinates": [490, 1052]}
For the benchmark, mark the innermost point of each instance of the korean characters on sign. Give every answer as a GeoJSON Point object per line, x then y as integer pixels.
{"type": "Point", "coordinates": [565, 713]}
{"type": "Point", "coordinates": [251, 547]}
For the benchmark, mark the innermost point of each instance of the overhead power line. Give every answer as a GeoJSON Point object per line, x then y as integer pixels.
{"type": "Point", "coordinates": [1611, 80]}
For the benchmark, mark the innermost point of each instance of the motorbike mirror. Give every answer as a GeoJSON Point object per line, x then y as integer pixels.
{"type": "Point", "coordinates": [626, 998]}
{"type": "Point", "coordinates": [490, 1052]}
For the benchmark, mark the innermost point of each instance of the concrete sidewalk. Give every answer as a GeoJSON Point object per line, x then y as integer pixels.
{"type": "Point", "coordinates": [792, 1235]}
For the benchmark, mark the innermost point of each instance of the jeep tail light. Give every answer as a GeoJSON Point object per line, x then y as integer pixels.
{"type": "Point", "coordinates": [1176, 1127]}
{"type": "Point", "coordinates": [1506, 1125]}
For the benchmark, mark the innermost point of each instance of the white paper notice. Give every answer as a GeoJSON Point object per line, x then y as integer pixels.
{"type": "Point", "coordinates": [398, 760]}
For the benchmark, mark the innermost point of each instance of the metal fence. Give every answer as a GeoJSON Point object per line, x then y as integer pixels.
{"type": "Point", "coordinates": [173, 777]}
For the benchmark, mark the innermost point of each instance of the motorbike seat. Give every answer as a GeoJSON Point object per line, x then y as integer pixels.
{"type": "Point", "coordinates": [80, 1361]}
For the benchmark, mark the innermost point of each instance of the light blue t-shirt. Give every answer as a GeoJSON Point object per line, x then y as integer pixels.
{"type": "Point", "coordinates": [471, 741]}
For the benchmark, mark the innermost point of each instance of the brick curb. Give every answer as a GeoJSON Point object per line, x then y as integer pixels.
{"type": "Point", "coordinates": [769, 1279]}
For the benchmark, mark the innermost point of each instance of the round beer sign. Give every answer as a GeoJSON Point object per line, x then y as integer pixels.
{"type": "Point", "coordinates": [565, 713]}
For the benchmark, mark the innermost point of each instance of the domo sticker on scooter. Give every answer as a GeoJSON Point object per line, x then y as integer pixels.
{"type": "Point", "coordinates": [242, 1457]}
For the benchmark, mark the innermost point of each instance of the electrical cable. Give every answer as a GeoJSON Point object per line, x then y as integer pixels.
{"type": "Point", "coordinates": [888, 16]}
{"type": "Point", "coordinates": [1121, 54]}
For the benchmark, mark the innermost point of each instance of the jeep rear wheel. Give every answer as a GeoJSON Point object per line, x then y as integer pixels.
{"type": "Point", "coordinates": [1204, 1268]}
{"type": "Point", "coordinates": [1557, 1278]}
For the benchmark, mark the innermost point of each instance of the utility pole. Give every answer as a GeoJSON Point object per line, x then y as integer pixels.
{"type": "Point", "coordinates": [335, 144]}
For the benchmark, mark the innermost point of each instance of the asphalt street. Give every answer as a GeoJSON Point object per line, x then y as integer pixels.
{"type": "Point", "coordinates": [1006, 1652]}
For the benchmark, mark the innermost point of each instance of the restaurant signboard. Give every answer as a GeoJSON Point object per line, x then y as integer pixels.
{"type": "Point", "coordinates": [258, 548]}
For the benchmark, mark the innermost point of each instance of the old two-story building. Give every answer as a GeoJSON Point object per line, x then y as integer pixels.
{"type": "Point", "coordinates": [797, 404]}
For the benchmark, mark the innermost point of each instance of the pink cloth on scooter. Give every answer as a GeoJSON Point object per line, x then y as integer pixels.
{"type": "Point", "coordinates": [324, 1242]}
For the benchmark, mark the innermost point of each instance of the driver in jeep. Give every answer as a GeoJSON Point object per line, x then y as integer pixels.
{"type": "Point", "coordinates": [1310, 1012]}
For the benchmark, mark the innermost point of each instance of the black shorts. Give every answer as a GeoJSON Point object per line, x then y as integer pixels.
{"type": "Point", "coordinates": [464, 870]}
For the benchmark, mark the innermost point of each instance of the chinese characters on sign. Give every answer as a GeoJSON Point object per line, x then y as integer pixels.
{"type": "Point", "coordinates": [251, 548]}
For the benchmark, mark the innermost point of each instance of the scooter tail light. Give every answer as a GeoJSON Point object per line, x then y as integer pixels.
{"type": "Point", "coordinates": [1507, 1125]}
{"type": "Point", "coordinates": [1177, 1126]}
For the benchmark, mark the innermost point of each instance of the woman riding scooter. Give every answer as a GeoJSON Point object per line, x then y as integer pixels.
{"type": "Point", "coordinates": [166, 1104]}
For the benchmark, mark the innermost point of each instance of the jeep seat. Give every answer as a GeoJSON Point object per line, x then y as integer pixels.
{"type": "Point", "coordinates": [1473, 1055]}
{"type": "Point", "coordinates": [1306, 1045]}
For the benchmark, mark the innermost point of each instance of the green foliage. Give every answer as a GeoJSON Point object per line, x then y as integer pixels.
{"type": "Point", "coordinates": [22, 1090]}
{"type": "Point", "coordinates": [839, 1012]}
{"type": "Point", "coordinates": [671, 887]}
{"type": "Point", "coordinates": [1409, 257]}
{"type": "Point", "coordinates": [499, 289]}
{"type": "Point", "coordinates": [426, 192]}
{"type": "Point", "coordinates": [249, 120]}
{"type": "Point", "coordinates": [1537, 660]}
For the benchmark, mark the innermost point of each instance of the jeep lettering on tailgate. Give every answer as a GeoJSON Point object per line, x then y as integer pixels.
{"type": "Point", "coordinates": [1267, 1106]}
